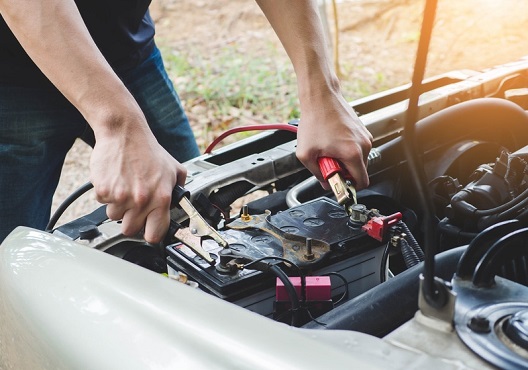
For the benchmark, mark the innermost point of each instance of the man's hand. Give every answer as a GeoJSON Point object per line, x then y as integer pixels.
{"type": "Point", "coordinates": [135, 176]}
{"type": "Point", "coordinates": [130, 171]}
{"type": "Point", "coordinates": [328, 127]}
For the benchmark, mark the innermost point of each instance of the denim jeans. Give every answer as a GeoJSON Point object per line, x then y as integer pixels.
{"type": "Point", "coordinates": [38, 126]}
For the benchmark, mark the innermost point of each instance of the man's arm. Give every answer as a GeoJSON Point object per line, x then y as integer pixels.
{"type": "Point", "coordinates": [131, 172]}
{"type": "Point", "coordinates": [328, 126]}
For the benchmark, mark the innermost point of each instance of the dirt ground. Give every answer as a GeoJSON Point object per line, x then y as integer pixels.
{"type": "Point", "coordinates": [377, 45]}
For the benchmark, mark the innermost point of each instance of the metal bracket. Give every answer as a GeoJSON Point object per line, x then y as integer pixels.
{"type": "Point", "coordinates": [445, 313]}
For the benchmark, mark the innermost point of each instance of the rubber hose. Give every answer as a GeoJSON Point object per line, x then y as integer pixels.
{"type": "Point", "coordinates": [409, 256]}
{"type": "Point", "coordinates": [412, 242]}
{"type": "Point", "coordinates": [228, 194]}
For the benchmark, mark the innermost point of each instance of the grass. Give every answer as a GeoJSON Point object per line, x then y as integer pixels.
{"type": "Point", "coordinates": [227, 87]}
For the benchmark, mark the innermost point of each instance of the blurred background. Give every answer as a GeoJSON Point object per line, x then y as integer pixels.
{"type": "Point", "coordinates": [230, 69]}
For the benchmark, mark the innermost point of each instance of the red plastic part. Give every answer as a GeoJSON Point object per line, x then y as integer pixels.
{"type": "Point", "coordinates": [318, 288]}
{"type": "Point", "coordinates": [329, 166]}
{"type": "Point", "coordinates": [377, 227]}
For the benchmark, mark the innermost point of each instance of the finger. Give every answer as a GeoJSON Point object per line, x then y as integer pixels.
{"type": "Point", "coordinates": [132, 222]}
{"type": "Point", "coordinates": [313, 167]}
{"type": "Point", "coordinates": [358, 172]}
{"type": "Point", "coordinates": [117, 200]}
{"type": "Point", "coordinates": [367, 148]}
{"type": "Point", "coordinates": [153, 217]}
{"type": "Point", "coordinates": [115, 211]}
{"type": "Point", "coordinates": [121, 204]}
{"type": "Point", "coordinates": [181, 172]}
{"type": "Point", "coordinates": [325, 185]}
{"type": "Point", "coordinates": [156, 225]}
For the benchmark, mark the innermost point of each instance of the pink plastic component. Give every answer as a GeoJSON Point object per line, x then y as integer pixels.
{"type": "Point", "coordinates": [318, 288]}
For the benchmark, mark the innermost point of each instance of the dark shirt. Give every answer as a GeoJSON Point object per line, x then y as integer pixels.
{"type": "Point", "coordinates": [122, 29]}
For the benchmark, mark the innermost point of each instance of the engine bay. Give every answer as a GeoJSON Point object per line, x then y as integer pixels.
{"type": "Point", "coordinates": [294, 255]}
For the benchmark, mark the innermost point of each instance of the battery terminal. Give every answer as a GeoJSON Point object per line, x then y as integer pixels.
{"type": "Point", "coordinates": [245, 216]}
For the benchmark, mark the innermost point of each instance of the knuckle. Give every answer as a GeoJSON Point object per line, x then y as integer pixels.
{"type": "Point", "coordinates": [302, 155]}
{"type": "Point", "coordinates": [141, 199]}
{"type": "Point", "coordinates": [120, 196]}
{"type": "Point", "coordinates": [165, 197]}
{"type": "Point", "coordinates": [367, 144]}
{"type": "Point", "coordinates": [102, 193]}
{"type": "Point", "coordinates": [182, 171]}
{"type": "Point", "coordinates": [113, 213]}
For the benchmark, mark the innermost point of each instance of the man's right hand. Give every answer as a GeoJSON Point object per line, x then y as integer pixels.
{"type": "Point", "coordinates": [130, 171]}
{"type": "Point", "coordinates": [135, 177]}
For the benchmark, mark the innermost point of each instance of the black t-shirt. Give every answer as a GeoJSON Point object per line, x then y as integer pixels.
{"type": "Point", "coordinates": [122, 30]}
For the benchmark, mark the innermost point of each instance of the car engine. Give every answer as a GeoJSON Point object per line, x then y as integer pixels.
{"type": "Point", "coordinates": [294, 255]}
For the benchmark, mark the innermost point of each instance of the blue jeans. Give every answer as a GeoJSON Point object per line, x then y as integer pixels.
{"type": "Point", "coordinates": [38, 126]}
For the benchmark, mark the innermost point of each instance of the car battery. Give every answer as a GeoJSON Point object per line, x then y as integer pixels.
{"type": "Point", "coordinates": [352, 254]}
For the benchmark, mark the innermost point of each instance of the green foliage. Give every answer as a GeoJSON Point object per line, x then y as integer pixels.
{"type": "Point", "coordinates": [256, 87]}
{"type": "Point", "coordinates": [226, 87]}
{"type": "Point", "coordinates": [360, 81]}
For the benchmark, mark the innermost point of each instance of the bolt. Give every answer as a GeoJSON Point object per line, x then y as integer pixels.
{"type": "Point", "coordinates": [395, 240]}
{"type": "Point", "coordinates": [309, 253]}
{"type": "Point", "coordinates": [89, 232]}
{"type": "Point", "coordinates": [479, 324]}
{"type": "Point", "coordinates": [245, 214]}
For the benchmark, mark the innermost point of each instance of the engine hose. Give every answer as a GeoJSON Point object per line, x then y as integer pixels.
{"type": "Point", "coordinates": [513, 210]}
{"type": "Point", "coordinates": [228, 194]}
{"type": "Point", "coordinates": [523, 216]}
{"type": "Point", "coordinates": [292, 293]}
{"type": "Point", "coordinates": [409, 255]}
{"type": "Point", "coordinates": [490, 219]}
{"type": "Point", "coordinates": [412, 241]}
{"type": "Point", "coordinates": [511, 213]}
{"type": "Point", "coordinates": [454, 231]}
{"type": "Point", "coordinates": [459, 203]}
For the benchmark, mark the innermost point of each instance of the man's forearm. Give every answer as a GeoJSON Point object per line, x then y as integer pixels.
{"type": "Point", "coordinates": [53, 34]}
{"type": "Point", "coordinates": [329, 127]}
{"type": "Point", "coordinates": [130, 171]}
{"type": "Point", "coordinates": [297, 24]}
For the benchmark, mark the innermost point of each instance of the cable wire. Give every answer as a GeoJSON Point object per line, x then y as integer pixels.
{"type": "Point", "coordinates": [384, 263]}
{"type": "Point", "coordinates": [431, 294]}
{"type": "Point", "coordinates": [288, 262]}
{"type": "Point", "coordinates": [231, 131]}
{"type": "Point", "coordinates": [292, 293]}
{"type": "Point", "coordinates": [345, 285]}
{"type": "Point", "coordinates": [67, 202]}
